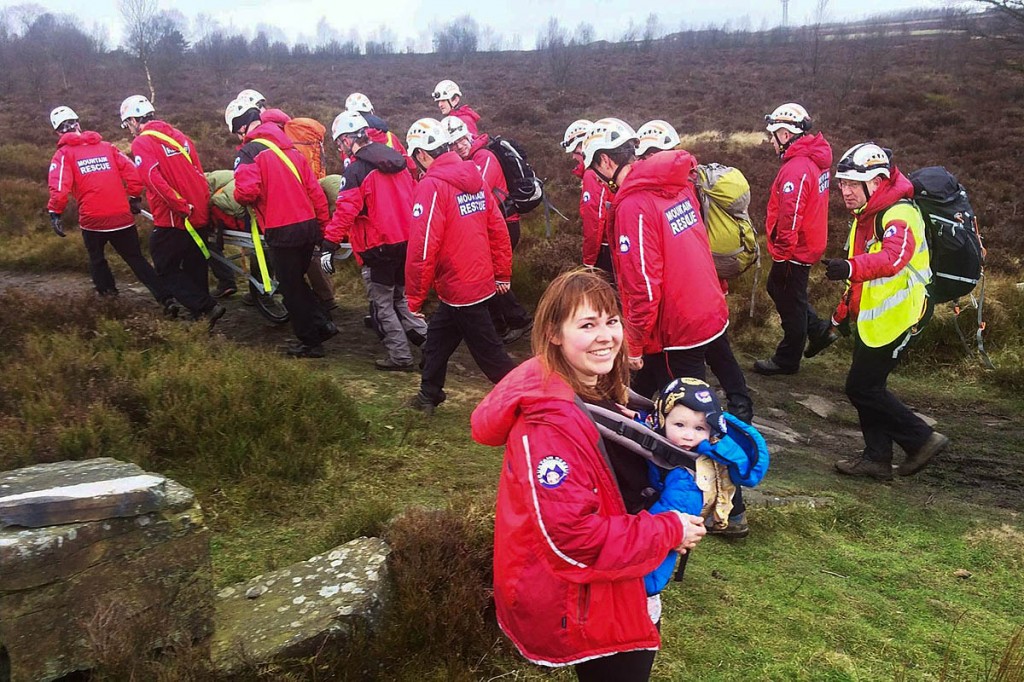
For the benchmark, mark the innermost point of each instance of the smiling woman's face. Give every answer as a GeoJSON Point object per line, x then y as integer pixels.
{"type": "Point", "coordinates": [590, 341]}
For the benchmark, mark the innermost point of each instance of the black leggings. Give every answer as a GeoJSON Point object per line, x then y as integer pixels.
{"type": "Point", "coordinates": [628, 666]}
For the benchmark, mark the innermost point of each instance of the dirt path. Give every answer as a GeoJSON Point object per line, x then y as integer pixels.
{"type": "Point", "coordinates": [806, 418]}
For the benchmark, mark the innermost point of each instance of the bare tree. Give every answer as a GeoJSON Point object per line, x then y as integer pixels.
{"type": "Point", "coordinates": [584, 33]}
{"type": "Point", "coordinates": [1012, 11]}
{"type": "Point", "coordinates": [561, 52]}
{"type": "Point", "coordinates": [139, 18]}
{"type": "Point", "coordinates": [459, 36]}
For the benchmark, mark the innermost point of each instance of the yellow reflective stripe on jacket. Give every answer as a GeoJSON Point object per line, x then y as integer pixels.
{"type": "Point", "coordinates": [184, 152]}
{"type": "Point", "coordinates": [389, 140]}
{"type": "Point", "coordinates": [281, 155]}
{"type": "Point", "coordinates": [169, 140]}
{"type": "Point", "coordinates": [889, 306]}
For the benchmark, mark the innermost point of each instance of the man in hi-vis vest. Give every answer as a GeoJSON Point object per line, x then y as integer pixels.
{"type": "Point", "coordinates": [887, 267]}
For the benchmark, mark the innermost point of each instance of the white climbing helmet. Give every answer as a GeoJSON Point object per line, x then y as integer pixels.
{"type": "Point", "coordinates": [235, 109]}
{"type": "Point", "coordinates": [446, 89]}
{"type": "Point", "coordinates": [790, 116]}
{"type": "Point", "coordinates": [656, 134]}
{"type": "Point", "coordinates": [864, 161]}
{"type": "Point", "coordinates": [607, 133]}
{"type": "Point", "coordinates": [455, 128]}
{"type": "Point", "coordinates": [62, 115]}
{"type": "Point", "coordinates": [575, 134]}
{"type": "Point", "coordinates": [427, 134]}
{"type": "Point", "coordinates": [357, 101]}
{"type": "Point", "coordinates": [346, 123]}
{"type": "Point", "coordinates": [135, 106]}
{"type": "Point", "coordinates": [252, 97]}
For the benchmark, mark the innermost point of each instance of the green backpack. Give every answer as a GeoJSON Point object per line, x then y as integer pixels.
{"type": "Point", "coordinates": [725, 197]}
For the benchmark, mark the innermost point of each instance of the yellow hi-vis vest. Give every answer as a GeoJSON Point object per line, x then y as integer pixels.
{"type": "Point", "coordinates": [889, 306]}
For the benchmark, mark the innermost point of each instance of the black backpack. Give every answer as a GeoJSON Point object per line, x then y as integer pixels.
{"type": "Point", "coordinates": [525, 189]}
{"type": "Point", "coordinates": [951, 228]}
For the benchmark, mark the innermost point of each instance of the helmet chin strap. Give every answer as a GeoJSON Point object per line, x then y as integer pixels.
{"type": "Point", "coordinates": [784, 146]}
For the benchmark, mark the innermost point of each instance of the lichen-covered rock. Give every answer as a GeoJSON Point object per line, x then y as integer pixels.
{"type": "Point", "coordinates": [291, 612]}
{"type": "Point", "coordinates": [67, 591]}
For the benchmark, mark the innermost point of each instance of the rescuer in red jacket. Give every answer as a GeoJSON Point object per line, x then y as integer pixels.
{"type": "Point", "coordinates": [796, 231]}
{"type": "Point", "coordinates": [275, 180]}
{"type": "Point", "coordinates": [595, 200]}
{"type": "Point", "coordinates": [378, 130]}
{"type": "Point", "coordinates": [570, 551]}
{"type": "Point", "coordinates": [107, 188]}
{"type": "Point", "coordinates": [373, 213]}
{"type": "Point", "coordinates": [179, 197]}
{"type": "Point", "coordinates": [458, 245]}
{"type": "Point", "coordinates": [307, 135]}
{"type": "Point", "coordinates": [671, 295]}
{"type": "Point", "coordinates": [510, 318]}
{"type": "Point", "coordinates": [448, 97]}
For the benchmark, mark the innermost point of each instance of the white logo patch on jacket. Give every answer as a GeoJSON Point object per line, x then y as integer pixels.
{"type": "Point", "coordinates": [787, 188]}
{"type": "Point", "coordinates": [681, 217]}
{"type": "Point", "coordinates": [552, 472]}
{"type": "Point", "coordinates": [624, 244]}
{"type": "Point", "coordinates": [471, 203]}
{"type": "Point", "coordinates": [586, 197]}
{"type": "Point", "coordinates": [417, 210]}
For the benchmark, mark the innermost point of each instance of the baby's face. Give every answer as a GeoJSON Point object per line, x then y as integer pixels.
{"type": "Point", "coordinates": [686, 427]}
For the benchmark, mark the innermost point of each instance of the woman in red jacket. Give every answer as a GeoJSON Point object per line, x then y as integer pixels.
{"type": "Point", "coordinates": [569, 556]}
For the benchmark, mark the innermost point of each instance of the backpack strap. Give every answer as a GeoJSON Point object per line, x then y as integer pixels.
{"type": "Point", "coordinates": [640, 440]}
{"type": "Point", "coordinates": [281, 155]}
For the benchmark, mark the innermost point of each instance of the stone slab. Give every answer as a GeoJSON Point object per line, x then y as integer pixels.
{"type": "Point", "coordinates": [291, 612]}
{"type": "Point", "coordinates": [70, 492]}
{"type": "Point", "coordinates": [146, 579]}
{"type": "Point", "coordinates": [759, 498]}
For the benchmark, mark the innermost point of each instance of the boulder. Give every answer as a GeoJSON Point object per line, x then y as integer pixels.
{"type": "Point", "coordinates": [132, 571]}
{"type": "Point", "coordinates": [293, 611]}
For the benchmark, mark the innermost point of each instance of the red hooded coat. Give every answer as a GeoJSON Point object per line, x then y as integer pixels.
{"type": "Point", "coordinates": [98, 175]}
{"type": "Point", "coordinates": [797, 222]}
{"type": "Point", "coordinates": [671, 296]}
{"type": "Point", "coordinates": [468, 115]}
{"type": "Point", "coordinates": [458, 243]}
{"type": "Point", "coordinates": [173, 180]}
{"type": "Point", "coordinates": [569, 560]}
{"type": "Point", "coordinates": [264, 181]}
{"type": "Point", "coordinates": [374, 205]}
{"type": "Point", "coordinates": [595, 201]}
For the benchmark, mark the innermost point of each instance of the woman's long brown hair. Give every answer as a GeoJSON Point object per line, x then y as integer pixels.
{"type": "Point", "coordinates": [563, 297]}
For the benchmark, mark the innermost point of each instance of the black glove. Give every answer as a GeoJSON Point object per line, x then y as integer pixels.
{"type": "Point", "coordinates": [844, 327]}
{"type": "Point", "coordinates": [55, 223]}
{"type": "Point", "coordinates": [837, 268]}
{"type": "Point", "coordinates": [328, 245]}
{"type": "Point", "coordinates": [135, 205]}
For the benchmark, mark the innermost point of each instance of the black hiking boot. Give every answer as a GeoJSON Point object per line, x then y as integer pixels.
{"type": "Point", "coordinates": [816, 344]}
{"type": "Point", "coordinates": [769, 368]}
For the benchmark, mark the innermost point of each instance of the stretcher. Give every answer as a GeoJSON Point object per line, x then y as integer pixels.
{"type": "Point", "coordinates": [268, 301]}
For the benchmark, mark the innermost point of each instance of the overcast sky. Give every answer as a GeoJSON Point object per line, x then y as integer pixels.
{"type": "Point", "coordinates": [412, 20]}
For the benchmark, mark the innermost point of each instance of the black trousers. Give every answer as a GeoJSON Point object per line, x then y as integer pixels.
{"type": "Point", "coordinates": [126, 244]}
{"type": "Point", "coordinates": [883, 417]}
{"type": "Point", "coordinates": [661, 368]}
{"type": "Point", "coordinates": [628, 666]}
{"type": "Point", "coordinates": [787, 287]}
{"type": "Point", "coordinates": [604, 261]}
{"type": "Point", "coordinates": [724, 366]}
{"type": "Point", "coordinates": [181, 267]}
{"type": "Point", "coordinates": [506, 311]}
{"type": "Point", "coordinates": [306, 315]}
{"type": "Point", "coordinates": [448, 327]}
